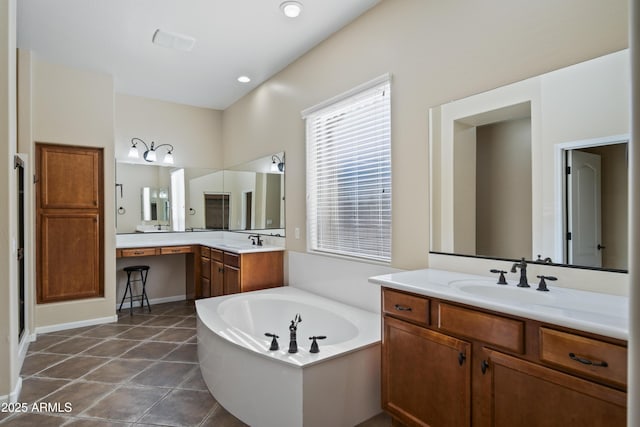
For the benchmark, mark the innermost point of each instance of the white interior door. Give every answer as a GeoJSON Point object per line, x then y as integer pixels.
{"type": "Point", "coordinates": [584, 209]}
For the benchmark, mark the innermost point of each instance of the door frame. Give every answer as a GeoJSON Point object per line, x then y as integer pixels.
{"type": "Point", "coordinates": [559, 186]}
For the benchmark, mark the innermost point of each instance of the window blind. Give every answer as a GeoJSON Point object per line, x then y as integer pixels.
{"type": "Point", "coordinates": [349, 174]}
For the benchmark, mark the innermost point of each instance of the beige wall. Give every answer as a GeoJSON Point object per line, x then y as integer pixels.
{"type": "Point", "coordinates": [68, 106]}
{"type": "Point", "coordinates": [195, 132]}
{"type": "Point", "coordinates": [436, 51]}
{"type": "Point", "coordinates": [503, 189]}
{"type": "Point", "coordinates": [8, 128]}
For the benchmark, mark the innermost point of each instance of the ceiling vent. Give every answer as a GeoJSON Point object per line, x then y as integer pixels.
{"type": "Point", "coordinates": [173, 40]}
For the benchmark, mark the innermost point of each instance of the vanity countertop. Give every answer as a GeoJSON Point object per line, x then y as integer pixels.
{"type": "Point", "coordinates": [598, 313]}
{"type": "Point", "coordinates": [211, 239]}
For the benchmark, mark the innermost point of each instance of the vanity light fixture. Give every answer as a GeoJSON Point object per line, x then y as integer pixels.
{"type": "Point", "coordinates": [277, 164]}
{"type": "Point", "coordinates": [244, 79]}
{"type": "Point", "coordinates": [291, 9]}
{"type": "Point", "coordinates": [150, 151]}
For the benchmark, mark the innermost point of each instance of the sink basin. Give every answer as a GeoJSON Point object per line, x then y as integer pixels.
{"type": "Point", "coordinates": [504, 293]}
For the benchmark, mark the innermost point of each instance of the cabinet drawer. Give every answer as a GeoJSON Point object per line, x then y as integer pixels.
{"type": "Point", "coordinates": [205, 252]}
{"type": "Point", "coordinates": [139, 252]}
{"type": "Point", "coordinates": [410, 307]}
{"type": "Point", "coordinates": [168, 250]}
{"type": "Point", "coordinates": [489, 328]}
{"type": "Point", "coordinates": [231, 259]}
{"type": "Point", "coordinates": [591, 357]}
{"type": "Point", "coordinates": [215, 254]}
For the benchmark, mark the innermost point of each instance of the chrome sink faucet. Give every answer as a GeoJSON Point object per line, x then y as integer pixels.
{"type": "Point", "coordinates": [522, 265]}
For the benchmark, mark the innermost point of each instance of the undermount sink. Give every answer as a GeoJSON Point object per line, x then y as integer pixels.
{"type": "Point", "coordinates": [504, 293]}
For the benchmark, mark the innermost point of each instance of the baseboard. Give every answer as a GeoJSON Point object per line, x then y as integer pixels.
{"type": "Point", "coordinates": [78, 324]}
{"type": "Point", "coordinates": [154, 301]}
{"type": "Point", "coordinates": [14, 395]}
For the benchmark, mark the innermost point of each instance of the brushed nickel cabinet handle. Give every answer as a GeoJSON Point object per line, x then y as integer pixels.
{"type": "Point", "coordinates": [402, 308]}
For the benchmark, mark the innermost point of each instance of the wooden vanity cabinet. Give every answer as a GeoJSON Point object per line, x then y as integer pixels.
{"type": "Point", "coordinates": [224, 273]}
{"type": "Point", "coordinates": [511, 371]}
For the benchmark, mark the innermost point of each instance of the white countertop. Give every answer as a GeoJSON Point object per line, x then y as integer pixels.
{"type": "Point", "coordinates": [219, 240]}
{"type": "Point", "coordinates": [598, 313]}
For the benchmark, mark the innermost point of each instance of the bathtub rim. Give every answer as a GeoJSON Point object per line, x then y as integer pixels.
{"type": "Point", "coordinates": [367, 323]}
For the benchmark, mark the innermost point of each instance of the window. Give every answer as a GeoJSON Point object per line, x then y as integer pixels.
{"type": "Point", "coordinates": [349, 173]}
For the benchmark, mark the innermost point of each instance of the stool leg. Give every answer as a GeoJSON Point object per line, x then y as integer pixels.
{"type": "Point", "coordinates": [127, 288]}
{"type": "Point", "coordinates": [131, 301]}
{"type": "Point", "coordinates": [144, 291]}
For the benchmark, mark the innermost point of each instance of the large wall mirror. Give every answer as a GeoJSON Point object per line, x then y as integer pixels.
{"type": "Point", "coordinates": [248, 197]}
{"type": "Point", "coordinates": [536, 169]}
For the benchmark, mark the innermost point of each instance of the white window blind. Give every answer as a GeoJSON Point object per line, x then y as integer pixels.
{"type": "Point", "coordinates": [349, 174]}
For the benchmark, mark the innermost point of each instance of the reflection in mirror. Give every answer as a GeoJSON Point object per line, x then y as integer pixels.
{"type": "Point", "coordinates": [247, 197]}
{"type": "Point", "coordinates": [596, 204]}
{"type": "Point", "coordinates": [256, 195]}
{"type": "Point", "coordinates": [499, 162]}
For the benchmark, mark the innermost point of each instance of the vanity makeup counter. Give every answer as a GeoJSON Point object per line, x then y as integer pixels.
{"type": "Point", "coordinates": [216, 263]}
{"type": "Point", "coordinates": [222, 240]}
{"type": "Point", "coordinates": [459, 349]}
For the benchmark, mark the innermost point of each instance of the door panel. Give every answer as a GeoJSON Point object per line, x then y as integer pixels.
{"type": "Point", "coordinates": [584, 210]}
{"type": "Point", "coordinates": [69, 224]}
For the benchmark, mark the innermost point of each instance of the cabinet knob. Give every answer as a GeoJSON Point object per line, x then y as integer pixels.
{"type": "Point", "coordinates": [484, 365]}
{"type": "Point", "coordinates": [461, 358]}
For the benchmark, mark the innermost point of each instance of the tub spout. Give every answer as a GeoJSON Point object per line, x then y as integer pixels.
{"type": "Point", "coordinates": [293, 343]}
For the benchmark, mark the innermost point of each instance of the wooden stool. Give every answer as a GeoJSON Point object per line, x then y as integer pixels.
{"type": "Point", "coordinates": [143, 270]}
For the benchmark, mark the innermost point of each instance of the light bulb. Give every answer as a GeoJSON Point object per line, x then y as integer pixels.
{"type": "Point", "coordinates": [291, 9]}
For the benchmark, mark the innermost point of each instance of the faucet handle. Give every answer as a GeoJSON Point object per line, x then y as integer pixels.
{"type": "Point", "coordinates": [274, 341]}
{"type": "Point", "coordinates": [542, 286]}
{"type": "Point", "coordinates": [501, 279]}
{"type": "Point", "coordinates": [314, 343]}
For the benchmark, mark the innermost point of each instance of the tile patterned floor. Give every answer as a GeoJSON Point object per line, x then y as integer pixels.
{"type": "Point", "coordinates": [140, 371]}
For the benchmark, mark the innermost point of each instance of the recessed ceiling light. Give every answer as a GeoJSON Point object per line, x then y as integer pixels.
{"type": "Point", "coordinates": [244, 79]}
{"type": "Point", "coordinates": [291, 9]}
{"type": "Point", "coordinates": [173, 40]}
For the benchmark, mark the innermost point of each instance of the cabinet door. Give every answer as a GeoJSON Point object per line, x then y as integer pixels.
{"type": "Point", "coordinates": [69, 223]}
{"type": "Point", "coordinates": [231, 280]}
{"type": "Point", "coordinates": [525, 394]}
{"type": "Point", "coordinates": [425, 376]}
{"type": "Point", "coordinates": [217, 278]}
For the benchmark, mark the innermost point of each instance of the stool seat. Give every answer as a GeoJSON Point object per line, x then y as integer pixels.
{"type": "Point", "coordinates": [143, 271]}
{"type": "Point", "coordinates": [136, 268]}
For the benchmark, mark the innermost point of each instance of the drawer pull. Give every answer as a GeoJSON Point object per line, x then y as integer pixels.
{"type": "Point", "coordinates": [484, 365]}
{"type": "Point", "coordinates": [402, 308]}
{"type": "Point", "coordinates": [138, 252]}
{"type": "Point", "coordinates": [587, 361]}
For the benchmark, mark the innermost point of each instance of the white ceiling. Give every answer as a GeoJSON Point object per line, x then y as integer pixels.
{"type": "Point", "coordinates": [233, 37]}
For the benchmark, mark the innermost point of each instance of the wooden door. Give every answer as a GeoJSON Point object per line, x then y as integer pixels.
{"type": "Point", "coordinates": [426, 376]}
{"type": "Point", "coordinates": [217, 278]}
{"type": "Point", "coordinates": [528, 395]}
{"type": "Point", "coordinates": [231, 280]}
{"type": "Point", "coordinates": [69, 223]}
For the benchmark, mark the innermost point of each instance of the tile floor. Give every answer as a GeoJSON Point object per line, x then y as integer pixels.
{"type": "Point", "coordinates": [140, 371]}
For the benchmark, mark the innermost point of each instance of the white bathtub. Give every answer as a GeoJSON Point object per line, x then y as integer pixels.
{"type": "Point", "coordinates": [339, 386]}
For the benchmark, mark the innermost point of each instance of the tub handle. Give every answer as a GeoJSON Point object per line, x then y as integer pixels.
{"type": "Point", "coordinates": [403, 308]}
{"type": "Point", "coordinates": [314, 343]}
{"type": "Point", "coordinates": [274, 342]}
